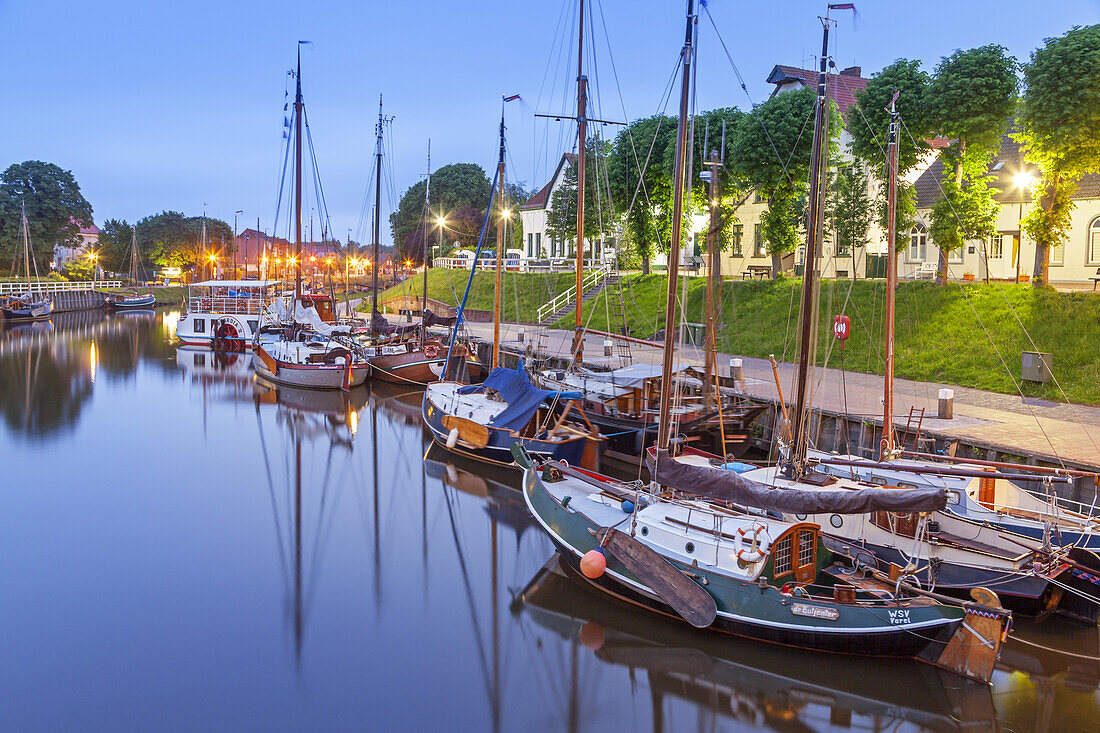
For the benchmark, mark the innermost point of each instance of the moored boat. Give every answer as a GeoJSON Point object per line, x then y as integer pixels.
{"type": "Point", "coordinates": [231, 311]}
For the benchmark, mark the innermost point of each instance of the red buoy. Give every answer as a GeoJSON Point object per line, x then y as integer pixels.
{"type": "Point", "coordinates": [593, 564]}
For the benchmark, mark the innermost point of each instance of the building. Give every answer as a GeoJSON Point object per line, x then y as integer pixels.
{"type": "Point", "coordinates": [999, 256]}
{"type": "Point", "coordinates": [66, 253]}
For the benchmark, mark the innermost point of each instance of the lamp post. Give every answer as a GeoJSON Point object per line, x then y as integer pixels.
{"type": "Point", "coordinates": [1023, 181]}
{"type": "Point", "coordinates": [213, 267]}
{"type": "Point", "coordinates": [94, 257]}
{"type": "Point", "coordinates": [235, 213]}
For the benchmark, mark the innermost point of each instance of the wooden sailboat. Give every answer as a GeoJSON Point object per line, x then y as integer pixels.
{"type": "Point", "coordinates": [306, 352]}
{"type": "Point", "coordinates": [35, 304]}
{"type": "Point", "coordinates": [485, 421]}
{"type": "Point", "coordinates": [745, 572]}
{"type": "Point", "coordinates": [131, 298]}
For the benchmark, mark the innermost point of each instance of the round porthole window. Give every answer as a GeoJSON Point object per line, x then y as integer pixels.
{"type": "Point", "coordinates": [800, 517]}
{"type": "Point", "coordinates": [689, 547]}
{"type": "Point", "coordinates": [645, 531]}
{"type": "Point", "coordinates": [836, 520]}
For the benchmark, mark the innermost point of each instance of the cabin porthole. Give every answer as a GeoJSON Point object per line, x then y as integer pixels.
{"type": "Point", "coordinates": [836, 520]}
{"type": "Point", "coordinates": [800, 517]}
{"type": "Point", "coordinates": [645, 531]}
{"type": "Point", "coordinates": [689, 548]}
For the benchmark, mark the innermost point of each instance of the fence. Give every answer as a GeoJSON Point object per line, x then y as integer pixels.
{"type": "Point", "coordinates": [19, 287]}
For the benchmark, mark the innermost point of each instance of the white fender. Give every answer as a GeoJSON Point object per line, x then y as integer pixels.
{"type": "Point", "coordinates": [452, 438]}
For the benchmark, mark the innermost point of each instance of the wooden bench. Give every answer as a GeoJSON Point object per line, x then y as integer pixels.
{"type": "Point", "coordinates": [1095, 279]}
{"type": "Point", "coordinates": [758, 272]}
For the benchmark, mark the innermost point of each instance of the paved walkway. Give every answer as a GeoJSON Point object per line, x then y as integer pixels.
{"type": "Point", "coordinates": [1048, 430]}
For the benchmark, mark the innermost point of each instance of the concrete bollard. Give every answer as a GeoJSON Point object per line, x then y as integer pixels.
{"type": "Point", "coordinates": [947, 404]}
{"type": "Point", "coordinates": [737, 372]}
{"type": "Point", "coordinates": [520, 335]}
{"type": "Point", "coordinates": [607, 344]}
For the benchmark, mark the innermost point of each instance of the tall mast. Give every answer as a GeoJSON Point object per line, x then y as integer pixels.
{"type": "Point", "coordinates": [298, 180]}
{"type": "Point", "coordinates": [500, 245]}
{"type": "Point", "coordinates": [26, 246]}
{"type": "Point", "coordinates": [682, 152]}
{"type": "Point", "coordinates": [582, 135]}
{"type": "Point", "coordinates": [424, 238]}
{"type": "Point", "coordinates": [891, 282]}
{"type": "Point", "coordinates": [377, 209]}
{"type": "Point", "coordinates": [807, 338]}
{"type": "Point", "coordinates": [133, 255]}
{"type": "Point", "coordinates": [714, 278]}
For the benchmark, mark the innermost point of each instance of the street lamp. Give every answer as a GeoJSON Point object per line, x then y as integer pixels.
{"type": "Point", "coordinates": [235, 213]}
{"type": "Point", "coordinates": [1023, 181]}
{"type": "Point", "coordinates": [94, 257]}
{"type": "Point", "coordinates": [440, 223]}
{"type": "Point", "coordinates": [213, 266]}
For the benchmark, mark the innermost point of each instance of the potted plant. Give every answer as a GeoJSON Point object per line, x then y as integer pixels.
{"type": "Point", "coordinates": [968, 276]}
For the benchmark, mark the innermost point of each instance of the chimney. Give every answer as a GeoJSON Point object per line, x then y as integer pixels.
{"type": "Point", "coordinates": [853, 71]}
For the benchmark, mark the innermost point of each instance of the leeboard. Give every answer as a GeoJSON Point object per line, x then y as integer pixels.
{"type": "Point", "coordinates": [469, 432]}
{"type": "Point", "coordinates": [669, 584]}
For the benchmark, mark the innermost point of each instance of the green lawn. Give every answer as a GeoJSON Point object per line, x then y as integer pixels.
{"type": "Point", "coordinates": [954, 334]}
{"type": "Point", "coordinates": [522, 293]}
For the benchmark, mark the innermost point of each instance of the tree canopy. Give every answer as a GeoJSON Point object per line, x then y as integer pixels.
{"type": "Point", "coordinates": [170, 239]}
{"type": "Point", "coordinates": [454, 187]}
{"type": "Point", "coordinates": [56, 209]}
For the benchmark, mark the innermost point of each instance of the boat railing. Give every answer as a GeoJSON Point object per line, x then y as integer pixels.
{"type": "Point", "coordinates": [20, 287]}
{"type": "Point", "coordinates": [231, 306]}
{"type": "Point", "coordinates": [1065, 509]}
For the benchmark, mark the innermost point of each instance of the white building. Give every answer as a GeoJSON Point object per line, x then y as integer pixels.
{"type": "Point", "coordinates": [89, 241]}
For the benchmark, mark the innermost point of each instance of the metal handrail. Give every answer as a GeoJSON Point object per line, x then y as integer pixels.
{"type": "Point", "coordinates": [593, 277]}
{"type": "Point", "coordinates": [55, 286]}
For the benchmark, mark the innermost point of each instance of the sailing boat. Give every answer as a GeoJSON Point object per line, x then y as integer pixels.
{"type": "Point", "coordinates": [747, 573]}
{"type": "Point", "coordinates": [306, 351]}
{"type": "Point", "coordinates": [486, 421]}
{"type": "Point", "coordinates": [622, 403]}
{"type": "Point", "coordinates": [131, 298]}
{"type": "Point", "coordinates": [34, 304]}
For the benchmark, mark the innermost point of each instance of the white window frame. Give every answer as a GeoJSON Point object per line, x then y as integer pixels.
{"type": "Point", "coordinates": [1092, 242]}
{"type": "Point", "coordinates": [759, 246]}
{"type": "Point", "coordinates": [997, 246]}
{"type": "Point", "coordinates": [919, 232]}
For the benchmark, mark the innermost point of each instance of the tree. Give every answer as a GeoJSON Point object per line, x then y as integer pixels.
{"type": "Point", "coordinates": [55, 210]}
{"type": "Point", "coordinates": [114, 245]}
{"type": "Point", "coordinates": [771, 153]}
{"type": "Point", "coordinates": [640, 186]}
{"type": "Point", "coordinates": [851, 208]}
{"type": "Point", "coordinates": [561, 219]}
{"type": "Point", "coordinates": [972, 97]}
{"type": "Point", "coordinates": [454, 186]}
{"type": "Point", "coordinates": [1058, 125]}
{"type": "Point", "coordinates": [868, 127]}
{"type": "Point", "coordinates": [170, 239]}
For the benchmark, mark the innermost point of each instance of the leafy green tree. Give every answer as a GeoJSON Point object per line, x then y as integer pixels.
{"type": "Point", "coordinates": [851, 209]}
{"type": "Point", "coordinates": [170, 239]}
{"type": "Point", "coordinates": [973, 95]}
{"type": "Point", "coordinates": [1059, 126]}
{"type": "Point", "coordinates": [771, 153]}
{"type": "Point", "coordinates": [868, 126]}
{"type": "Point", "coordinates": [114, 245]}
{"type": "Point", "coordinates": [55, 210]}
{"type": "Point", "coordinates": [561, 219]}
{"type": "Point", "coordinates": [454, 187]}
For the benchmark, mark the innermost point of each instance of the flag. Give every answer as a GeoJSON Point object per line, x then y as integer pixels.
{"type": "Point", "coordinates": [509, 99]}
{"type": "Point", "coordinates": [842, 6]}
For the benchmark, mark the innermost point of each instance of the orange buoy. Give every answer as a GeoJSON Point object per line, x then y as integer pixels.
{"type": "Point", "coordinates": [592, 635]}
{"type": "Point", "coordinates": [593, 563]}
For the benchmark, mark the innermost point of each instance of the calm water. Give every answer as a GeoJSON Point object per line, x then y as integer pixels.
{"type": "Point", "coordinates": [183, 548]}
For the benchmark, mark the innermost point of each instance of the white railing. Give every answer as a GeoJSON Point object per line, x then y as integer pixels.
{"type": "Point", "coordinates": [55, 286]}
{"type": "Point", "coordinates": [593, 278]}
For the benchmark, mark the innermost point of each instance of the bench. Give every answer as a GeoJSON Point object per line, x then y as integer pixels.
{"type": "Point", "coordinates": [1095, 279]}
{"type": "Point", "coordinates": [927, 270]}
{"type": "Point", "coordinates": [758, 272]}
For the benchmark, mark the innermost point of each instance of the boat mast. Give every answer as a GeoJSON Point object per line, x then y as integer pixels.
{"type": "Point", "coordinates": [26, 246]}
{"type": "Point", "coordinates": [500, 245]}
{"type": "Point", "coordinates": [796, 463]}
{"type": "Point", "coordinates": [298, 180]}
{"type": "Point", "coordinates": [377, 209]}
{"type": "Point", "coordinates": [682, 129]}
{"type": "Point", "coordinates": [714, 277]}
{"type": "Point", "coordinates": [887, 446]}
{"type": "Point", "coordinates": [582, 134]}
{"type": "Point", "coordinates": [133, 255]}
{"type": "Point", "coordinates": [424, 239]}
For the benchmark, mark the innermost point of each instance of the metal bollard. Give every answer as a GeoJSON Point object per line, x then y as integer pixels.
{"type": "Point", "coordinates": [947, 404]}
{"type": "Point", "coordinates": [737, 372]}
{"type": "Point", "coordinates": [520, 335]}
{"type": "Point", "coordinates": [607, 344]}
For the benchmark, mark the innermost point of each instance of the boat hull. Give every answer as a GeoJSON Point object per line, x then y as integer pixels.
{"type": "Point", "coordinates": [28, 312]}
{"type": "Point", "coordinates": [310, 376]}
{"type": "Point", "coordinates": [144, 301]}
{"type": "Point", "coordinates": [413, 367]}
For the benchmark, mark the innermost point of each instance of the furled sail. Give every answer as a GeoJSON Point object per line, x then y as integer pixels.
{"type": "Point", "coordinates": [722, 485]}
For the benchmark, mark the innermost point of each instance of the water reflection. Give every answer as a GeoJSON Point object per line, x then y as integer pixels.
{"type": "Point", "coordinates": [182, 542]}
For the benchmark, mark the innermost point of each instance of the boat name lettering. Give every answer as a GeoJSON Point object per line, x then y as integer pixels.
{"type": "Point", "coordinates": [899, 616]}
{"type": "Point", "coordinates": [801, 609]}
{"type": "Point", "coordinates": [388, 350]}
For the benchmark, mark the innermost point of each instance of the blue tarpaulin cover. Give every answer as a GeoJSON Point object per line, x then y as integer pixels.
{"type": "Point", "coordinates": [523, 398]}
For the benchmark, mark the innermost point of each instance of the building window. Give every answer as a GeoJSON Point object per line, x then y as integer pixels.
{"type": "Point", "coordinates": [530, 244]}
{"type": "Point", "coordinates": [758, 248]}
{"type": "Point", "coordinates": [918, 244]}
{"type": "Point", "coordinates": [955, 255]}
{"type": "Point", "coordinates": [736, 235]}
{"type": "Point", "coordinates": [758, 198]}
{"type": "Point", "coordinates": [1057, 255]}
{"type": "Point", "coordinates": [996, 246]}
{"type": "Point", "coordinates": [538, 244]}
{"type": "Point", "coordinates": [1094, 242]}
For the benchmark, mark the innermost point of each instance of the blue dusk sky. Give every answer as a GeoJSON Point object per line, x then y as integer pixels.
{"type": "Point", "coordinates": [157, 105]}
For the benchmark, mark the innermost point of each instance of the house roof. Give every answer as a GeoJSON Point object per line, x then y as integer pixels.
{"type": "Point", "coordinates": [89, 229]}
{"type": "Point", "coordinates": [1006, 165]}
{"type": "Point", "coordinates": [542, 199]}
{"type": "Point", "coordinates": [842, 87]}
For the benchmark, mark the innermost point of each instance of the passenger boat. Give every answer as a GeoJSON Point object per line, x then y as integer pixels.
{"type": "Point", "coordinates": [229, 311]}
{"type": "Point", "coordinates": [35, 304]}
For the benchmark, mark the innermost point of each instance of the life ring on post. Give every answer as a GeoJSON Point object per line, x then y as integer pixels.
{"type": "Point", "coordinates": [758, 543]}
{"type": "Point", "coordinates": [431, 351]}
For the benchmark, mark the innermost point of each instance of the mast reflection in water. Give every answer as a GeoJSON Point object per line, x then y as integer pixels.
{"type": "Point", "coordinates": [184, 547]}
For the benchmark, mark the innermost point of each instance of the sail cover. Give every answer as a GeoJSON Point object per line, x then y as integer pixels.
{"type": "Point", "coordinates": [308, 316]}
{"type": "Point", "coordinates": [722, 485]}
{"type": "Point", "coordinates": [523, 398]}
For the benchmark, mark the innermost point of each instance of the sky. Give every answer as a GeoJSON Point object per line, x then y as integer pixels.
{"type": "Point", "coordinates": [178, 106]}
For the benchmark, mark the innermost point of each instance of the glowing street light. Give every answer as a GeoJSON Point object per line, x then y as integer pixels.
{"type": "Point", "coordinates": [1023, 180]}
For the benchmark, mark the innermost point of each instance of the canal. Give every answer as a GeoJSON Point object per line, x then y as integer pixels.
{"type": "Point", "coordinates": [182, 547]}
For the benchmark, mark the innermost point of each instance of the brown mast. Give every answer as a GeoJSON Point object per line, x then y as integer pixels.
{"type": "Point", "coordinates": [797, 459]}
{"type": "Point", "coordinates": [582, 134]}
{"type": "Point", "coordinates": [682, 129]}
{"type": "Point", "coordinates": [500, 245]}
{"type": "Point", "coordinates": [298, 181]}
{"type": "Point", "coordinates": [377, 211]}
{"type": "Point", "coordinates": [887, 445]}
{"type": "Point", "coordinates": [714, 279]}
{"type": "Point", "coordinates": [424, 239]}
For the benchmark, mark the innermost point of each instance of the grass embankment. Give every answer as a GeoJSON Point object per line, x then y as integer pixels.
{"type": "Point", "coordinates": [953, 334]}
{"type": "Point", "coordinates": [522, 293]}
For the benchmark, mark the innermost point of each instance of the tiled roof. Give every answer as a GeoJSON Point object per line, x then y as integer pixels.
{"type": "Point", "coordinates": [89, 229]}
{"type": "Point", "coordinates": [1008, 163]}
{"type": "Point", "coordinates": [542, 199]}
{"type": "Point", "coordinates": [842, 86]}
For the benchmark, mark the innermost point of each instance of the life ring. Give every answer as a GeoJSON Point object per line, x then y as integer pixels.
{"type": "Point", "coordinates": [758, 544]}
{"type": "Point", "coordinates": [431, 351]}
